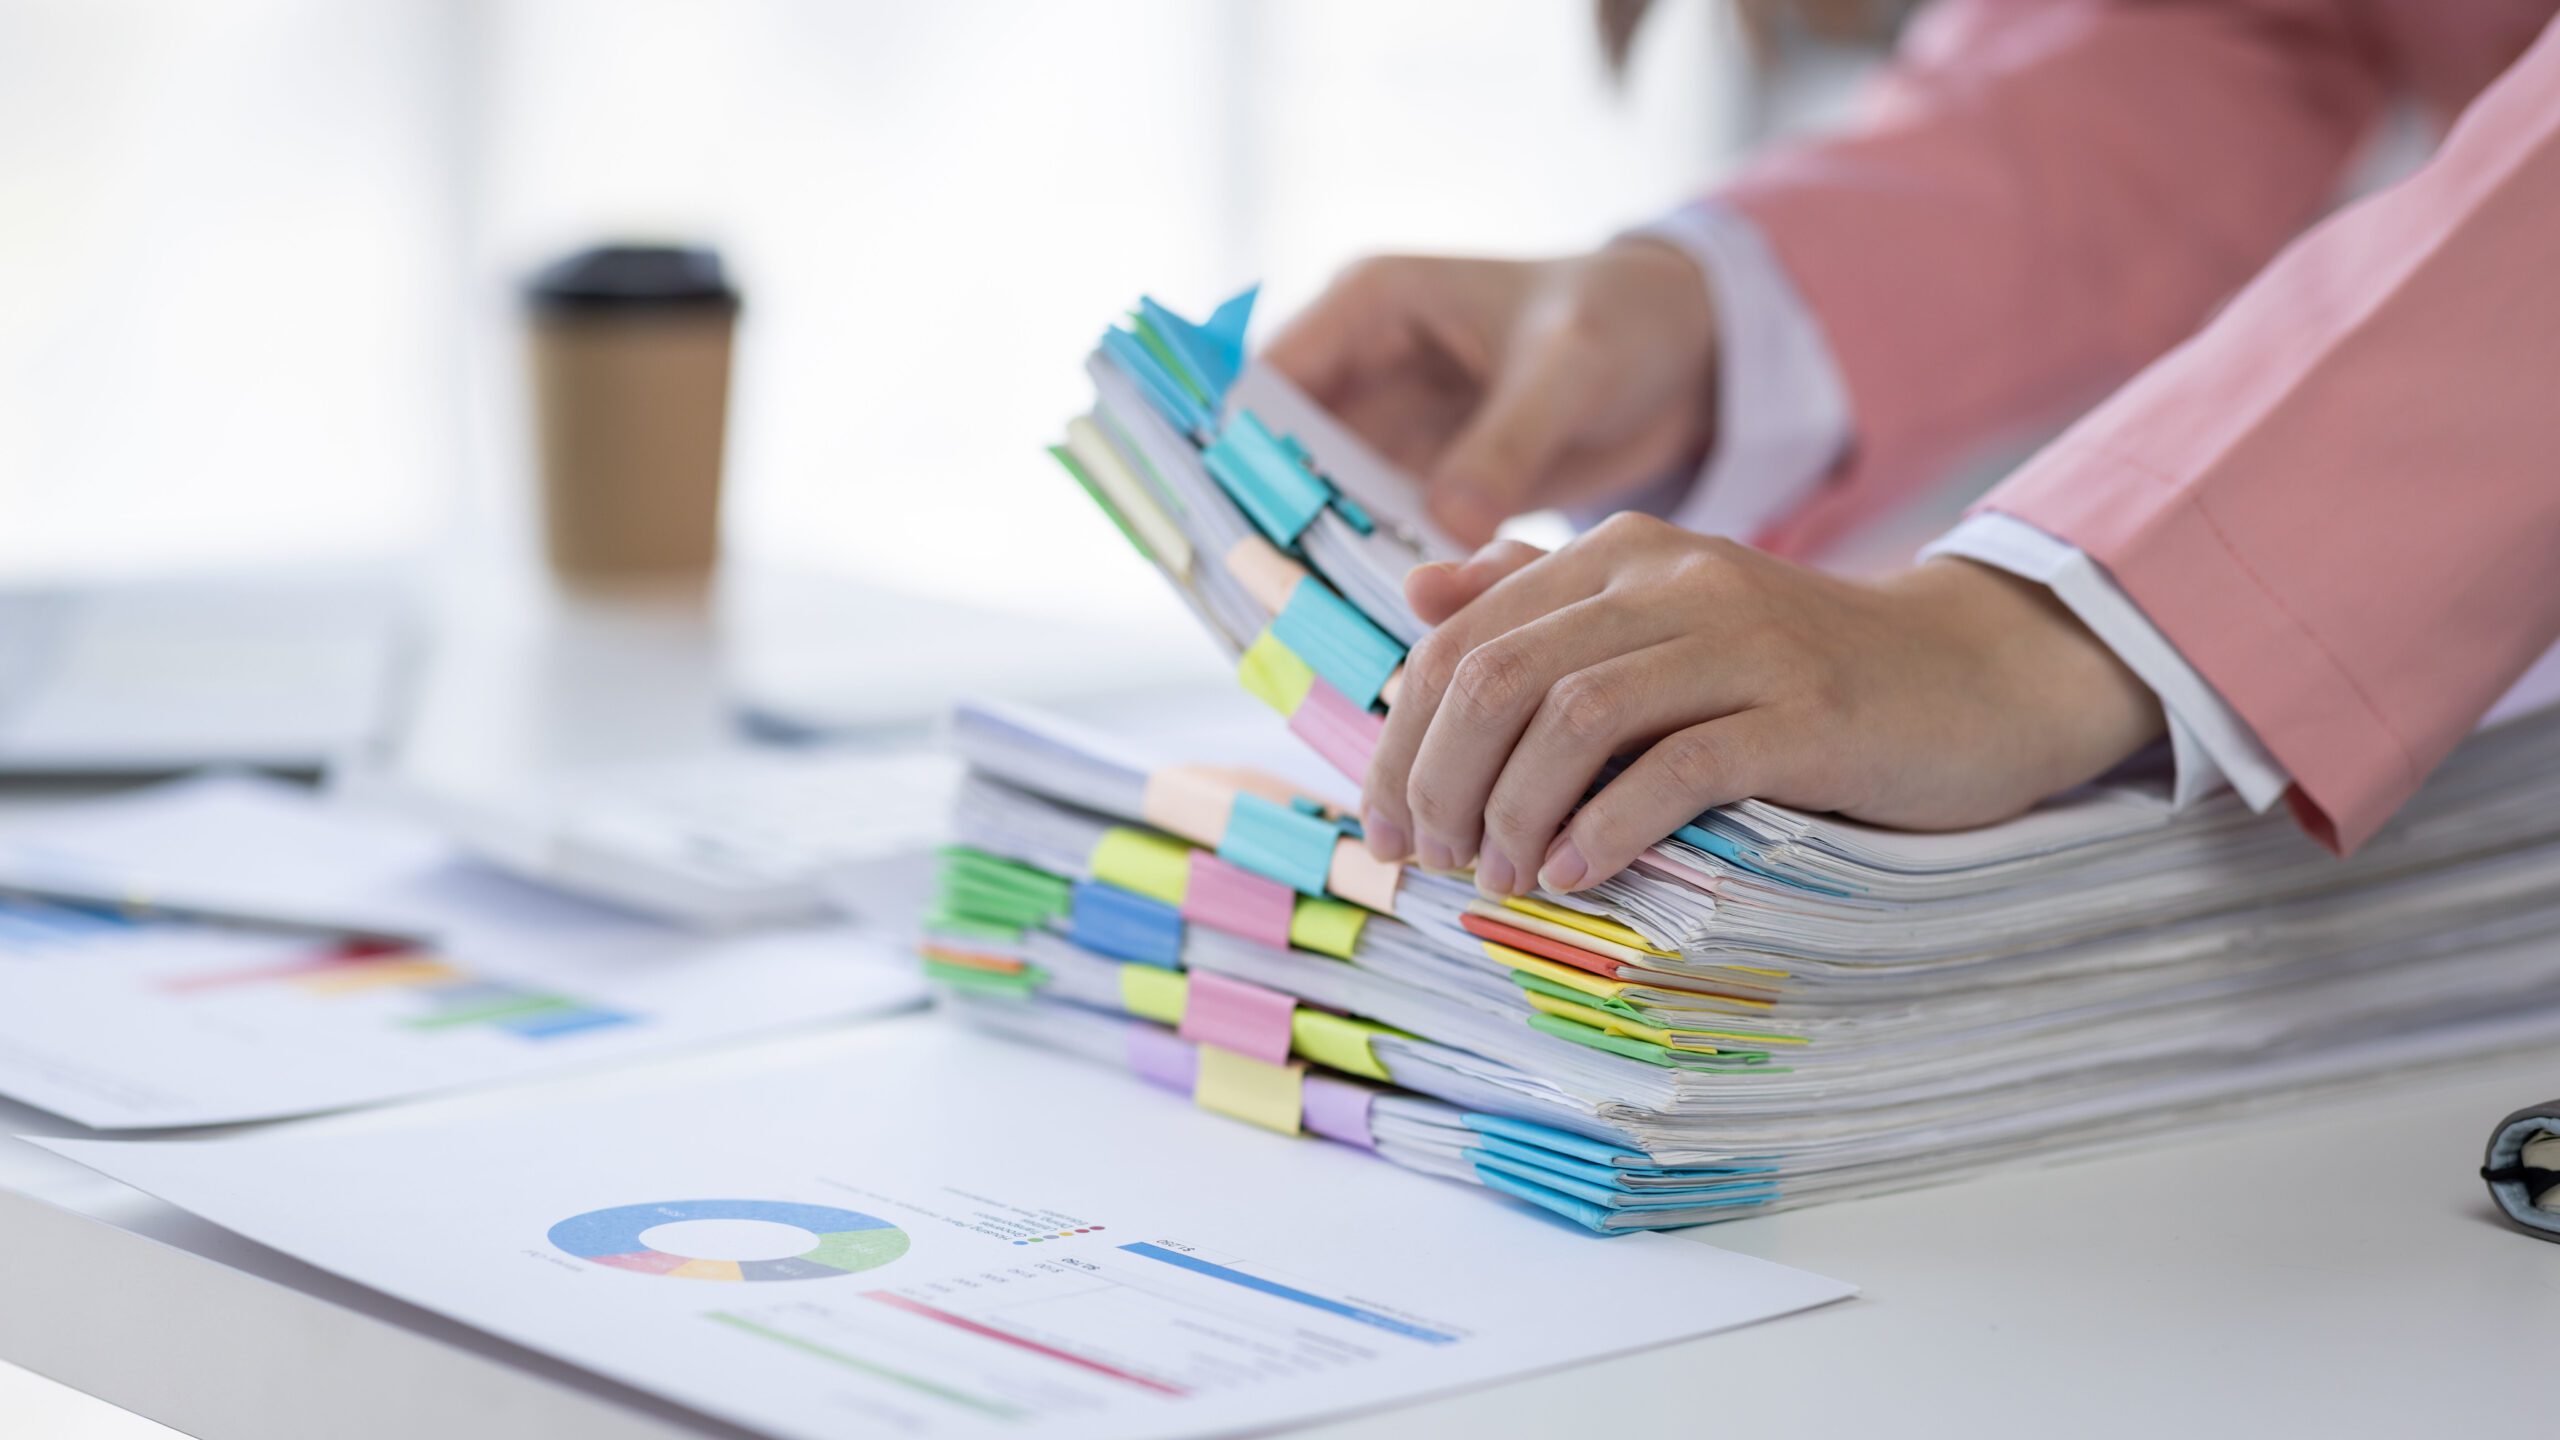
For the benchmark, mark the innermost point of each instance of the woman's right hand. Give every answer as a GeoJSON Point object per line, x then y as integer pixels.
{"type": "Point", "coordinates": [1508, 386]}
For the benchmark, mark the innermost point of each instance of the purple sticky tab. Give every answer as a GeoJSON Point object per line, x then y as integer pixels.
{"type": "Point", "coordinates": [1233, 899]}
{"type": "Point", "coordinates": [1337, 1110]}
{"type": "Point", "coordinates": [1234, 1015]}
{"type": "Point", "coordinates": [1343, 733]}
{"type": "Point", "coordinates": [1163, 1058]}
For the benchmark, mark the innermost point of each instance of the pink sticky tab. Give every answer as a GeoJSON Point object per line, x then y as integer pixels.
{"type": "Point", "coordinates": [1338, 1110]}
{"type": "Point", "coordinates": [1233, 899]}
{"type": "Point", "coordinates": [1234, 1015]}
{"type": "Point", "coordinates": [1161, 1057]}
{"type": "Point", "coordinates": [1341, 732]}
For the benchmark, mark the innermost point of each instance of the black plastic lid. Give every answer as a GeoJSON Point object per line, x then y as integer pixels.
{"type": "Point", "coordinates": [633, 277]}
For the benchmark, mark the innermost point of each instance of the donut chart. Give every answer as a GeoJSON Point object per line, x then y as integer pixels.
{"type": "Point", "coordinates": [847, 1240]}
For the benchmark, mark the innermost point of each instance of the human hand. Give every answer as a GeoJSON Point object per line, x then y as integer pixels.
{"type": "Point", "coordinates": [1949, 695]}
{"type": "Point", "coordinates": [1508, 386]}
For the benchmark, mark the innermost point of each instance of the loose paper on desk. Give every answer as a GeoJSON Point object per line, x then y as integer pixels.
{"type": "Point", "coordinates": [119, 1025]}
{"type": "Point", "coordinates": [920, 1230]}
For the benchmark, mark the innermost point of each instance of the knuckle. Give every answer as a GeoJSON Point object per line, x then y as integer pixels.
{"type": "Point", "coordinates": [1506, 819]}
{"type": "Point", "coordinates": [1584, 709]}
{"type": "Point", "coordinates": [1432, 808]}
{"type": "Point", "coordinates": [1434, 662]}
{"type": "Point", "coordinates": [1691, 763]}
{"type": "Point", "coordinates": [1489, 684]}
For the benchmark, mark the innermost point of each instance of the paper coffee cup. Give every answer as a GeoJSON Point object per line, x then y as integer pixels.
{"type": "Point", "coordinates": [630, 349]}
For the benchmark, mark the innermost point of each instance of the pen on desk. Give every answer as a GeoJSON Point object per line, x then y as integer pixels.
{"type": "Point", "coordinates": [139, 906]}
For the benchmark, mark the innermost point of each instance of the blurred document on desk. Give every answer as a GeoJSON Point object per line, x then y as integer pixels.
{"type": "Point", "coordinates": [122, 1023]}
{"type": "Point", "coordinates": [933, 1233]}
{"type": "Point", "coordinates": [162, 678]}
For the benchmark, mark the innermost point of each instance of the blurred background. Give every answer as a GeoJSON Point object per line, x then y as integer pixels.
{"type": "Point", "coordinates": [258, 277]}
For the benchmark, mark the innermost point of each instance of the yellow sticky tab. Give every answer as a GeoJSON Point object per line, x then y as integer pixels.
{"type": "Point", "coordinates": [1338, 1041]}
{"type": "Point", "coordinates": [1609, 930]}
{"type": "Point", "coordinates": [1327, 927]}
{"type": "Point", "coordinates": [1154, 992]}
{"type": "Point", "coordinates": [1156, 866]}
{"type": "Point", "coordinates": [1546, 969]}
{"type": "Point", "coordinates": [1274, 674]}
{"type": "Point", "coordinates": [1257, 1091]}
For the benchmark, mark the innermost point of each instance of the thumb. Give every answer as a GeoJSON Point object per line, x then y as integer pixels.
{"type": "Point", "coordinates": [1442, 589]}
{"type": "Point", "coordinates": [1498, 464]}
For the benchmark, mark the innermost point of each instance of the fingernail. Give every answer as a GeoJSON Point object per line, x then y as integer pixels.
{"type": "Point", "coordinates": [1437, 856]}
{"type": "Point", "coordinates": [1386, 841]}
{"type": "Point", "coordinates": [1495, 878]}
{"type": "Point", "coordinates": [1565, 868]}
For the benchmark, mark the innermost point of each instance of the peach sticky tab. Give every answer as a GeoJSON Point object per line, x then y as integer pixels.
{"type": "Point", "coordinates": [1363, 878]}
{"type": "Point", "coordinates": [1191, 801]}
{"type": "Point", "coordinates": [1267, 575]}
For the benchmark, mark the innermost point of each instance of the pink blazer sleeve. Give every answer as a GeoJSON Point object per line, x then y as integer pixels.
{"type": "Point", "coordinates": [2341, 499]}
{"type": "Point", "coordinates": [2046, 195]}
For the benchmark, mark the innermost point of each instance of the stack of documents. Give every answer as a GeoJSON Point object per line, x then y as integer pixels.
{"type": "Point", "coordinates": [1770, 1007]}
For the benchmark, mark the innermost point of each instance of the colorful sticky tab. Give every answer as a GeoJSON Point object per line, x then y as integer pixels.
{"type": "Point", "coordinates": [1155, 866]}
{"type": "Point", "coordinates": [1343, 733]}
{"type": "Point", "coordinates": [1125, 926]}
{"type": "Point", "coordinates": [1155, 994]}
{"type": "Point", "coordinates": [1164, 392]}
{"type": "Point", "coordinates": [1161, 1057]}
{"type": "Point", "coordinates": [1362, 878]}
{"type": "Point", "coordinates": [1252, 1090]}
{"type": "Point", "coordinates": [1589, 924]}
{"type": "Point", "coordinates": [1129, 500]}
{"type": "Point", "coordinates": [1343, 645]}
{"type": "Point", "coordinates": [1267, 575]}
{"type": "Point", "coordinates": [1278, 493]}
{"type": "Point", "coordinates": [1093, 491]}
{"type": "Point", "coordinates": [1232, 899]}
{"type": "Point", "coordinates": [1237, 1015]}
{"type": "Point", "coordinates": [1274, 675]}
{"type": "Point", "coordinates": [1328, 927]}
{"type": "Point", "coordinates": [1338, 1110]}
{"type": "Point", "coordinates": [1210, 355]}
{"type": "Point", "coordinates": [1190, 801]}
{"type": "Point", "coordinates": [1339, 1041]}
{"type": "Point", "coordinates": [1274, 840]}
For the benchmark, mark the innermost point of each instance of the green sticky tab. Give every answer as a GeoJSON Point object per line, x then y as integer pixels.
{"type": "Point", "coordinates": [1599, 1039]}
{"type": "Point", "coordinates": [1273, 674]}
{"type": "Point", "coordinates": [1326, 926]}
{"type": "Point", "coordinates": [1067, 460]}
{"type": "Point", "coordinates": [981, 868]}
{"type": "Point", "coordinates": [1338, 1041]}
{"type": "Point", "coordinates": [1015, 984]}
{"type": "Point", "coordinates": [1583, 998]}
{"type": "Point", "coordinates": [970, 927]}
{"type": "Point", "coordinates": [1143, 862]}
{"type": "Point", "coordinates": [1156, 993]}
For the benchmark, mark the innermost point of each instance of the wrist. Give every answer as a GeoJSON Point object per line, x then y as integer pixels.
{"type": "Point", "coordinates": [2059, 695]}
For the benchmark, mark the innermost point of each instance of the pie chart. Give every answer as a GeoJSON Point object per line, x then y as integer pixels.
{"type": "Point", "coordinates": [747, 1239]}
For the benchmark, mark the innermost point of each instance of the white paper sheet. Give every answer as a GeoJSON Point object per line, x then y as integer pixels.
{"type": "Point", "coordinates": [121, 1026]}
{"type": "Point", "coordinates": [1022, 1245]}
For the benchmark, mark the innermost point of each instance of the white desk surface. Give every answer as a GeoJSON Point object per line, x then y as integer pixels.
{"type": "Point", "coordinates": [2337, 1270]}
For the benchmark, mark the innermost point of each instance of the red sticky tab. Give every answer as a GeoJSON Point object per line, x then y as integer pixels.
{"type": "Point", "coordinates": [1343, 733]}
{"type": "Point", "coordinates": [1235, 900]}
{"type": "Point", "coordinates": [1539, 945]}
{"type": "Point", "coordinates": [1237, 1016]}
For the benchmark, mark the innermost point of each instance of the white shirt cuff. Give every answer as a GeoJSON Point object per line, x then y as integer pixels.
{"type": "Point", "coordinates": [2209, 741]}
{"type": "Point", "coordinates": [1782, 411]}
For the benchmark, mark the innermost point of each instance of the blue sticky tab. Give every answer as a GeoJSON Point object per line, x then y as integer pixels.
{"type": "Point", "coordinates": [1282, 496]}
{"type": "Point", "coordinates": [1724, 848]}
{"type": "Point", "coordinates": [1278, 842]}
{"type": "Point", "coordinates": [1338, 642]}
{"type": "Point", "coordinates": [1164, 392]}
{"type": "Point", "coordinates": [1112, 921]}
{"type": "Point", "coordinates": [1749, 1193]}
{"type": "Point", "coordinates": [1211, 355]}
{"type": "Point", "coordinates": [1565, 1205]}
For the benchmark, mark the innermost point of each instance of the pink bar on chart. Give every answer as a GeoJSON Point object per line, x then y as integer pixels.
{"type": "Point", "coordinates": [1233, 899]}
{"type": "Point", "coordinates": [1343, 733]}
{"type": "Point", "coordinates": [1338, 1110]}
{"type": "Point", "coordinates": [1163, 1058]}
{"type": "Point", "coordinates": [1237, 1016]}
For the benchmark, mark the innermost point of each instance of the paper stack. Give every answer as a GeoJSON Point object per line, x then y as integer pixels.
{"type": "Point", "coordinates": [1772, 1007]}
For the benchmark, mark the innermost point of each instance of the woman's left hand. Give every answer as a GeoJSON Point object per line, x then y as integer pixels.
{"type": "Point", "coordinates": [1945, 696]}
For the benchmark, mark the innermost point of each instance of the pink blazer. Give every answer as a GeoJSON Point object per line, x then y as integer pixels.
{"type": "Point", "coordinates": [2339, 495]}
